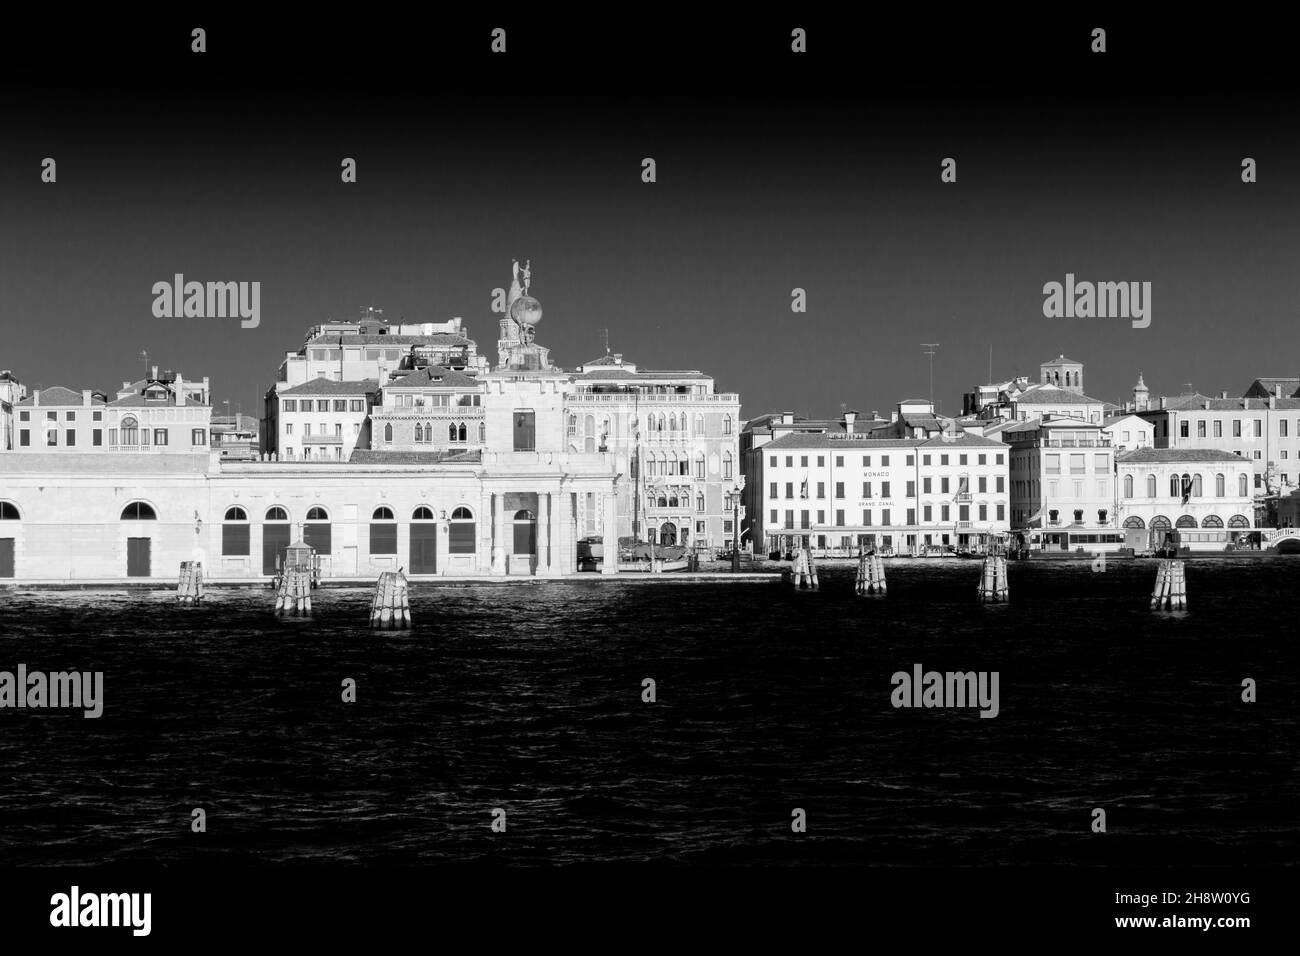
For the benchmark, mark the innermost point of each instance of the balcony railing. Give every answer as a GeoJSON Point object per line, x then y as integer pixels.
{"type": "Point", "coordinates": [650, 398]}
{"type": "Point", "coordinates": [322, 439]}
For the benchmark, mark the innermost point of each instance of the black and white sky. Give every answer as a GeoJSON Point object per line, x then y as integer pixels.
{"type": "Point", "coordinates": [774, 172]}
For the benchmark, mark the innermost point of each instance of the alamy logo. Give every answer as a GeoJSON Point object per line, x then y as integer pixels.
{"type": "Point", "coordinates": [950, 689]}
{"type": "Point", "coordinates": [209, 300]}
{"type": "Point", "coordinates": [75, 908]}
{"type": "Point", "coordinates": [1098, 300]}
{"type": "Point", "coordinates": [81, 690]}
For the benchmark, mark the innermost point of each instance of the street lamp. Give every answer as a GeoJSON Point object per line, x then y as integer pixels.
{"type": "Point", "coordinates": [733, 499]}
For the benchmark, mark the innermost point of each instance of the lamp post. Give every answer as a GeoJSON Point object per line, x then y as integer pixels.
{"type": "Point", "coordinates": [733, 499]}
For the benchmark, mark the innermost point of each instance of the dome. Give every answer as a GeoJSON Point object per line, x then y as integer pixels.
{"type": "Point", "coordinates": [526, 310]}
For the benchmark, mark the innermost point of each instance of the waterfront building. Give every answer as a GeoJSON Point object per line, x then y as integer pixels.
{"type": "Point", "coordinates": [1062, 482]}
{"type": "Point", "coordinates": [676, 438]}
{"type": "Point", "coordinates": [1264, 431]}
{"type": "Point", "coordinates": [160, 415]}
{"type": "Point", "coordinates": [321, 419]}
{"type": "Point", "coordinates": [1206, 494]}
{"type": "Point", "coordinates": [1128, 432]}
{"type": "Point", "coordinates": [1058, 393]}
{"type": "Point", "coordinates": [846, 488]}
{"type": "Point", "coordinates": [431, 409]}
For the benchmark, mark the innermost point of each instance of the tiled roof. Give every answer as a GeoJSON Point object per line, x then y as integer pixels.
{"type": "Point", "coordinates": [437, 338]}
{"type": "Point", "coordinates": [435, 376]}
{"type": "Point", "coordinates": [328, 386]}
{"type": "Point", "coordinates": [1119, 418]}
{"type": "Point", "coordinates": [1191, 403]}
{"type": "Point", "coordinates": [1178, 454]}
{"type": "Point", "coordinates": [370, 456]}
{"type": "Point", "coordinates": [621, 373]}
{"type": "Point", "coordinates": [818, 440]}
{"type": "Point", "coordinates": [1062, 360]}
{"type": "Point", "coordinates": [1290, 386]}
{"type": "Point", "coordinates": [58, 395]}
{"type": "Point", "coordinates": [965, 438]}
{"type": "Point", "coordinates": [1051, 395]}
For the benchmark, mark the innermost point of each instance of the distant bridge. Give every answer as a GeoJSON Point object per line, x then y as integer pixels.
{"type": "Point", "coordinates": [1286, 540]}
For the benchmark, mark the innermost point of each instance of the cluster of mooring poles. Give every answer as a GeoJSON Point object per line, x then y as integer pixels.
{"type": "Point", "coordinates": [190, 589]}
{"type": "Point", "coordinates": [1170, 593]}
{"type": "Point", "coordinates": [391, 607]}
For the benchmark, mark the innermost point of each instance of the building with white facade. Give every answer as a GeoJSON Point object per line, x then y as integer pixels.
{"type": "Point", "coordinates": [1205, 494]}
{"type": "Point", "coordinates": [12, 392]}
{"type": "Point", "coordinates": [322, 419]}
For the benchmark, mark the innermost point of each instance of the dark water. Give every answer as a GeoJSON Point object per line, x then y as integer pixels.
{"type": "Point", "coordinates": [529, 699]}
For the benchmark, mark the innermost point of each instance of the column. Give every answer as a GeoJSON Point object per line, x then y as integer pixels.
{"type": "Point", "coordinates": [609, 565]}
{"type": "Point", "coordinates": [498, 534]}
{"type": "Point", "coordinates": [544, 556]}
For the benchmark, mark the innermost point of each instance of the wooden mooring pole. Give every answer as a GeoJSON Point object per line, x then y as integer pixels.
{"type": "Point", "coordinates": [391, 607]}
{"type": "Point", "coordinates": [1170, 593]}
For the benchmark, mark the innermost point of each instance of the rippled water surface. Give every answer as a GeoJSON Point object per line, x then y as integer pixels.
{"type": "Point", "coordinates": [528, 698]}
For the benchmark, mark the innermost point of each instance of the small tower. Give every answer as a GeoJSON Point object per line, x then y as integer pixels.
{"type": "Point", "coordinates": [1063, 373]}
{"type": "Point", "coordinates": [1141, 396]}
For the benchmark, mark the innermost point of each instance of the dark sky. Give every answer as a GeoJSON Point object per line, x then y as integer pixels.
{"type": "Point", "coordinates": [774, 172]}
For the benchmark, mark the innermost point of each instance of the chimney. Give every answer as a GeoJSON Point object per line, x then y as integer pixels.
{"type": "Point", "coordinates": [180, 389]}
{"type": "Point", "coordinates": [1277, 390]}
{"type": "Point", "coordinates": [849, 418]}
{"type": "Point", "coordinates": [893, 417]}
{"type": "Point", "coordinates": [85, 398]}
{"type": "Point", "coordinates": [155, 373]}
{"type": "Point", "coordinates": [1224, 393]}
{"type": "Point", "coordinates": [36, 397]}
{"type": "Point", "coordinates": [618, 358]}
{"type": "Point", "coordinates": [1272, 400]}
{"type": "Point", "coordinates": [787, 418]}
{"type": "Point", "coordinates": [1162, 401]}
{"type": "Point", "coordinates": [126, 385]}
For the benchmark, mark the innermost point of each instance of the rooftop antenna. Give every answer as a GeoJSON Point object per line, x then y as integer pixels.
{"type": "Point", "coordinates": [930, 348]}
{"type": "Point", "coordinates": [605, 333]}
{"type": "Point", "coordinates": [370, 312]}
{"type": "Point", "coordinates": [144, 357]}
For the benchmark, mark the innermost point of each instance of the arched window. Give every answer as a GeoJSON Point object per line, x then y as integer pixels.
{"type": "Point", "coordinates": [1160, 523]}
{"type": "Point", "coordinates": [1196, 486]}
{"type": "Point", "coordinates": [1239, 521]}
{"type": "Point", "coordinates": [138, 511]}
{"type": "Point", "coordinates": [726, 465]}
{"type": "Point", "coordinates": [662, 421]}
{"type": "Point", "coordinates": [726, 425]}
{"type": "Point", "coordinates": [422, 514]}
{"type": "Point", "coordinates": [589, 426]}
{"type": "Point", "coordinates": [276, 513]}
{"type": "Point", "coordinates": [235, 533]}
{"type": "Point", "coordinates": [672, 422]}
{"type": "Point", "coordinates": [663, 501]}
{"type": "Point", "coordinates": [1220, 486]}
{"type": "Point", "coordinates": [1175, 487]}
{"type": "Point", "coordinates": [1243, 487]}
{"type": "Point", "coordinates": [316, 530]}
{"type": "Point", "coordinates": [451, 432]}
{"type": "Point", "coordinates": [525, 527]}
{"type": "Point", "coordinates": [699, 466]}
{"type": "Point", "coordinates": [388, 432]}
{"type": "Point", "coordinates": [9, 512]}
{"type": "Point", "coordinates": [699, 502]}
{"type": "Point", "coordinates": [461, 433]}
{"type": "Point", "coordinates": [1133, 521]}
{"type": "Point", "coordinates": [699, 425]}
{"type": "Point", "coordinates": [482, 433]}
{"type": "Point", "coordinates": [1151, 486]}
{"type": "Point", "coordinates": [672, 501]}
{"type": "Point", "coordinates": [1186, 521]}
{"type": "Point", "coordinates": [1211, 521]}
{"type": "Point", "coordinates": [1128, 486]}
{"type": "Point", "coordinates": [461, 537]}
{"type": "Point", "coordinates": [130, 431]}
{"type": "Point", "coordinates": [383, 528]}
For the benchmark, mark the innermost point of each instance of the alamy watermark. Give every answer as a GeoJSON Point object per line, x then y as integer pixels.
{"type": "Point", "coordinates": [75, 909]}
{"type": "Point", "coordinates": [78, 690]}
{"type": "Point", "coordinates": [208, 300]}
{"type": "Point", "coordinates": [948, 689]}
{"type": "Point", "coordinates": [1098, 300]}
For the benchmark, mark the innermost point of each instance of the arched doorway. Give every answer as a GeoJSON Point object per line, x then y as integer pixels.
{"type": "Point", "coordinates": [424, 541]}
{"type": "Point", "coordinates": [139, 546]}
{"type": "Point", "coordinates": [8, 512]}
{"type": "Point", "coordinates": [525, 532]}
{"type": "Point", "coordinates": [668, 533]}
{"type": "Point", "coordinates": [275, 539]}
{"type": "Point", "coordinates": [316, 530]}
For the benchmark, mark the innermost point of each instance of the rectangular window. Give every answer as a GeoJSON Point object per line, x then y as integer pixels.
{"type": "Point", "coordinates": [884, 516]}
{"type": "Point", "coordinates": [1053, 464]}
{"type": "Point", "coordinates": [1200, 428]}
{"type": "Point", "coordinates": [1236, 428]}
{"type": "Point", "coordinates": [771, 489]}
{"type": "Point", "coordinates": [771, 461]}
{"type": "Point", "coordinates": [525, 432]}
{"type": "Point", "coordinates": [911, 516]}
{"type": "Point", "coordinates": [24, 416]}
{"type": "Point", "coordinates": [943, 459]}
{"type": "Point", "coordinates": [911, 489]}
{"type": "Point", "coordinates": [160, 436]}
{"type": "Point", "coordinates": [1002, 512]}
{"type": "Point", "coordinates": [984, 512]}
{"type": "Point", "coordinates": [97, 437]}
{"type": "Point", "coordinates": [340, 404]}
{"type": "Point", "coordinates": [234, 540]}
{"type": "Point", "coordinates": [356, 405]}
{"type": "Point", "coordinates": [927, 513]}
{"type": "Point", "coordinates": [821, 490]}
{"type": "Point", "coordinates": [70, 416]}
{"type": "Point", "coordinates": [322, 405]}
{"type": "Point", "coordinates": [198, 437]}
{"type": "Point", "coordinates": [338, 430]}
{"type": "Point", "coordinates": [821, 517]}
{"type": "Point", "coordinates": [945, 513]}
{"type": "Point", "coordinates": [803, 520]}
{"type": "Point", "coordinates": [839, 460]}
{"type": "Point", "coordinates": [1218, 429]}
{"type": "Point", "coordinates": [775, 519]}
{"type": "Point", "coordinates": [866, 489]}
{"type": "Point", "coordinates": [383, 537]}
{"type": "Point", "coordinates": [925, 459]}
{"type": "Point", "coordinates": [839, 489]}
{"type": "Point", "coordinates": [911, 460]}
{"type": "Point", "coordinates": [1281, 427]}
{"type": "Point", "coordinates": [983, 459]}
{"type": "Point", "coordinates": [866, 517]}
{"type": "Point", "coordinates": [884, 461]}
{"type": "Point", "coordinates": [1183, 431]}
{"type": "Point", "coordinates": [925, 486]}
{"type": "Point", "coordinates": [1078, 464]}
{"type": "Point", "coordinates": [803, 461]}
{"type": "Point", "coordinates": [821, 461]}
{"type": "Point", "coordinates": [884, 489]}
{"type": "Point", "coordinates": [51, 437]}
{"type": "Point", "coordinates": [943, 486]}
{"type": "Point", "coordinates": [839, 517]}
{"type": "Point", "coordinates": [961, 459]}
{"type": "Point", "coordinates": [963, 512]}
{"type": "Point", "coordinates": [983, 484]}
{"type": "Point", "coordinates": [70, 437]}
{"type": "Point", "coordinates": [789, 461]}
{"type": "Point", "coordinates": [291, 404]}
{"type": "Point", "coordinates": [789, 518]}
{"type": "Point", "coordinates": [1001, 484]}
{"type": "Point", "coordinates": [866, 461]}
{"type": "Point", "coordinates": [789, 489]}
{"type": "Point", "coordinates": [1259, 428]}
